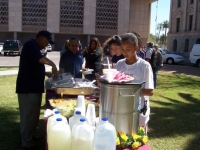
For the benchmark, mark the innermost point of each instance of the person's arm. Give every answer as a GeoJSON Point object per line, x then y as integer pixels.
{"type": "Point", "coordinates": [47, 61]}
{"type": "Point", "coordinates": [146, 92]}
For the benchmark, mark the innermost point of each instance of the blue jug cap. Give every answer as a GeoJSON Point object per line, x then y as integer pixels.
{"type": "Point", "coordinates": [78, 112]}
{"type": "Point", "coordinates": [57, 112]}
{"type": "Point", "coordinates": [104, 119]}
{"type": "Point", "coordinates": [82, 120]}
{"type": "Point", "coordinates": [59, 119]}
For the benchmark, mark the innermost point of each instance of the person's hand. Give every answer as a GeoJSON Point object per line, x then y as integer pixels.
{"type": "Point", "coordinates": [85, 69]}
{"type": "Point", "coordinates": [98, 81]}
{"type": "Point", "coordinates": [49, 74]}
{"type": "Point", "coordinates": [54, 70]}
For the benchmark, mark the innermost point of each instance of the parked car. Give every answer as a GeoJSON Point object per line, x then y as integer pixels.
{"type": "Point", "coordinates": [171, 58]}
{"type": "Point", "coordinates": [49, 48]}
{"type": "Point", "coordinates": [43, 51]}
{"type": "Point", "coordinates": [1, 47]}
{"type": "Point", "coordinates": [195, 55]}
{"type": "Point", "coordinates": [11, 47]}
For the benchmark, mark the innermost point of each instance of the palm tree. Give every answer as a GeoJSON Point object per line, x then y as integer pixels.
{"type": "Point", "coordinates": [159, 27]}
{"type": "Point", "coordinates": [165, 27]}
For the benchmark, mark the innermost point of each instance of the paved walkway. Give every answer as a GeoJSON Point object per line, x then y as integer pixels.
{"type": "Point", "coordinates": [13, 72]}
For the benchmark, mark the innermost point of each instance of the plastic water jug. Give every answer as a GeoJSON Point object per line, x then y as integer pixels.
{"type": "Point", "coordinates": [75, 119]}
{"type": "Point", "coordinates": [105, 132]}
{"type": "Point", "coordinates": [82, 136]}
{"type": "Point", "coordinates": [59, 136]}
{"type": "Point", "coordinates": [52, 119]}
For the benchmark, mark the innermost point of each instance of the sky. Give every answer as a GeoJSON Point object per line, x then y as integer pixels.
{"type": "Point", "coordinates": [162, 13]}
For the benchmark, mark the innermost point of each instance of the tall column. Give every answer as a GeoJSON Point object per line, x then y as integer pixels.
{"type": "Point", "coordinates": [123, 16]}
{"type": "Point", "coordinates": [170, 17]}
{"type": "Point", "coordinates": [194, 23]}
{"type": "Point", "coordinates": [15, 15]}
{"type": "Point", "coordinates": [53, 16]}
{"type": "Point", "coordinates": [15, 35]}
{"type": "Point", "coordinates": [185, 16]}
{"type": "Point", "coordinates": [89, 17]}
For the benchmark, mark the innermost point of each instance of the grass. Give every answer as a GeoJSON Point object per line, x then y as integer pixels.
{"type": "Point", "coordinates": [174, 123]}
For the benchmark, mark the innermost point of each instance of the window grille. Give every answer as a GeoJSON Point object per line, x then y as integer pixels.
{"type": "Point", "coordinates": [34, 15]}
{"type": "Point", "coordinates": [106, 17]}
{"type": "Point", "coordinates": [71, 16]}
{"type": "Point", "coordinates": [4, 15]}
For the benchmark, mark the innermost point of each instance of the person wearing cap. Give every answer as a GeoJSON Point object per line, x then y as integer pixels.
{"type": "Point", "coordinates": [72, 60]}
{"type": "Point", "coordinates": [156, 63]}
{"type": "Point", "coordinates": [30, 85]}
{"type": "Point", "coordinates": [149, 51]}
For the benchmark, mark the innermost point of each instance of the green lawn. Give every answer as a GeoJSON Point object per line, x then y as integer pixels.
{"type": "Point", "coordinates": [9, 68]}
{"type": "Point", "coordinates": [174, 123]}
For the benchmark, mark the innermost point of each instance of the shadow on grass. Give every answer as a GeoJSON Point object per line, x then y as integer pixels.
{"type": "Point", "coordinates": [177, 118]}
{"type": "Point", "coordinates": [10, 138]}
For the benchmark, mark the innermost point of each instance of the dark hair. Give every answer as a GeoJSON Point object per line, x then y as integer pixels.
{"type": "Point", "coordinates": [116, 40]}
{"type": "Point", "coordinates": [131, 37]}
{"type": "Point", "coordinates": [73, 39]}
{"type": "Point", "coordinates": [98, 44]}
{"type": "Point", "coordinates": [139, 38]}
{"type": "Point", "coordinates": [150, 44]}
{"type": "Point", "coordinates": [105, 47]}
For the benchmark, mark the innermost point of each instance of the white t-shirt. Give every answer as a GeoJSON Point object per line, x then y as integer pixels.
{"type": "Point", "coordinates": [149, 53]}
{"type": "Point", "coordinates": [141, 70]}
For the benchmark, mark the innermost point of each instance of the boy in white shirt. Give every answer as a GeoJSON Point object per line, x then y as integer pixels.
{"type": "Point", "coordinates": [139, 69]}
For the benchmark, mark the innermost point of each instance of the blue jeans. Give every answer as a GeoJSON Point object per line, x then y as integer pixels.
{"type": "Point", "coordinates": [155, 73]}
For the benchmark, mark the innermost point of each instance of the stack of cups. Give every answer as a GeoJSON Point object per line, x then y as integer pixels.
{"type": "Point", "coordinates": [91, 114]}
{"type": "Point", "coordinates": [80, 104]}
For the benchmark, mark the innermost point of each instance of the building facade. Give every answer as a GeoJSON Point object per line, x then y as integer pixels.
{"type": "Point", "coordinates": [184, 26]}
{"type": "Point", "coordinates": [22, 19]}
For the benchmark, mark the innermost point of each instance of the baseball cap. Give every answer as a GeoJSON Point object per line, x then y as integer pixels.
{"type": "Point", "coordinates": [46, 34]}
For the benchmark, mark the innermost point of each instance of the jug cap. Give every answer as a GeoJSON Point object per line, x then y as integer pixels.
{"type": "Point", "coordinates": [82, 120]}
{"type": "Point", "coordinates": [104, 119]}
{"type": "Point", "coordinates": [59, 119]}
{"type": "Point", "coordinates": [57, 112]}
{"type": "Point", "coordinates": [78, 112]}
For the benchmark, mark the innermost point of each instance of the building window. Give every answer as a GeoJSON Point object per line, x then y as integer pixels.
{"type": "Point", "coordinates": [177, 24]}
{"type": "Point", "coordinates": [71, 16]}
{"type": "Point", "coordinates": [178, 3]}
{"type": "Point", "coordinates": [175, 45]}
{"type": "Point", "coordinates": [190, 22]}
{"type": "Point", "coordinates": [4, 15]}
{"type": "Point", "coordinates": [186, 45]}
{"type": "Point", "coordinates": [106, 17]}
{"type": "Point", "coordinates": [34, 15]}
{"type": "Point", "coordinates": [191, 1]}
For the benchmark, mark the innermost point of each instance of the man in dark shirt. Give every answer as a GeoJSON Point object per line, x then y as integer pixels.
{"type": "Point", "coordinates": [30, 85]}
{"type": "Point", "coordinates": [72, 60]}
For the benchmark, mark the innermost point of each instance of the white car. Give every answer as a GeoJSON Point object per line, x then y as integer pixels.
{"type": "Point", "coordinates": [1, 47]}
{"type": "Point", "coordinates": [171, 58]}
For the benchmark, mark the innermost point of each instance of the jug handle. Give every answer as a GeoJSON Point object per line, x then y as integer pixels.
{"type": "Point", "coordinates": [126, 95]}
{"type": "Point", "coordinates": [76, 132]}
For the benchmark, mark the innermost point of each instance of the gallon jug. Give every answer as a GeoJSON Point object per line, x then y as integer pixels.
{"type": "Point", "coordinates": [75, 119]}
{"type": "Point", "coordinates": [59, 136]}
{"type": "Point", "coordinates": [82, 136]}
{"type": "Point", "coordinates": [52, 119]}
{"type": "Point", "coordinates": [105, 132]}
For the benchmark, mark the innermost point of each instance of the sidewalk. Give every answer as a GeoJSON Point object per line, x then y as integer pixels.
{"type": "Point", "coordinates": [14, 72]}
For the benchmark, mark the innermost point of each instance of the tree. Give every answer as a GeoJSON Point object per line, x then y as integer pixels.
{"type": "Point", "coordinates": [165, 27]}
{"type": "Point", "coordinates": [159, 27]}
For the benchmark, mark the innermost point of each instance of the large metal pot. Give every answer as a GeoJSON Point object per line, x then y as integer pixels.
{"type": "Point", "coordinates": [119, 103]}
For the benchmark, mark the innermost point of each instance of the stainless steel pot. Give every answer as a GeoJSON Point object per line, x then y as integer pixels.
{"type": "Point", "coordinates": [119, 103]}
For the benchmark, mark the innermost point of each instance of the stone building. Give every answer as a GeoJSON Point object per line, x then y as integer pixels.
{"type": "Point", "coordinates": [184, 26]}
{"type": "Point", "coordinates": [22, 19]}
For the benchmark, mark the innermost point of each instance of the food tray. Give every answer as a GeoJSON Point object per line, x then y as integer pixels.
{"type": "Point", "coordinates": [67, 106]}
